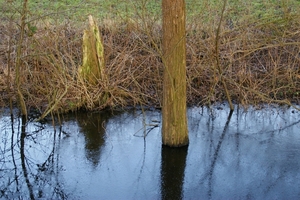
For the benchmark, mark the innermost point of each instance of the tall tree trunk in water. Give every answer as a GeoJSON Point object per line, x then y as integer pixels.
{"type": "Point", "coordinates": [174, 127]}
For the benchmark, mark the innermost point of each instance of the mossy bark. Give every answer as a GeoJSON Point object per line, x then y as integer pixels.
{"type": "Point", "coordinates": [92, 69]}
{"type": "Point", "coordinates": [174, 127]}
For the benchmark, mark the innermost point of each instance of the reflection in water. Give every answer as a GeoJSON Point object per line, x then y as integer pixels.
{"type": "Point", "coordinates": [93, 127]}
{"type": "Point", "coordinates": [251, 162]}
{"type": "Point", "coordinates": [29, 165]}
{"type": "Point", "coordinates": [172, 172]}
{"type": "Point", "coordinates": [215, 157]}
{"type": "Point", "coordinates": [23, 157]}
{"type": "Point", "coordinates": [128, 165]}
{"type": "Point", "coordinates": [253, 154]}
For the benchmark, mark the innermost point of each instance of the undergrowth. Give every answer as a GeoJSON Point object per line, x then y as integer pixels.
{"type": "Point", "coordinates": [258, 52]}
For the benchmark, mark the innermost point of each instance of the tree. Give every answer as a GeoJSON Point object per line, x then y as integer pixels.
{"type": "Point", "coordinates": [174, 127]}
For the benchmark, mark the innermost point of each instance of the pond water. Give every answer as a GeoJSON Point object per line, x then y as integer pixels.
{"type": "Point", "coordinates": [247, 154]}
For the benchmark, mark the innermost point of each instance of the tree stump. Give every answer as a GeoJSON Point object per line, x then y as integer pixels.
{"type": "Point", "coordinates": [93, 66]}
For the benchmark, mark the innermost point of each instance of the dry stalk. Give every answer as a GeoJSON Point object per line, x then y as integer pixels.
{"type": "Point", "coordinates": [257, 60]}
{"type": "Point", "coordinates": [18, 59]}
{"type": "Point", "coordinates": [219, 68]}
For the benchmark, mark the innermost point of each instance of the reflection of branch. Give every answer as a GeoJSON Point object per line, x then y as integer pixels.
{"type": "Point", "coordinates": [212, 166]}
{"type": "Point", "coordinates": [274, 130]}
{"type": "Point", "coordinates": [49, 166]}
{"type": "Point", "coordinates": [23, 135]}
{"type": "Point", "coordinates": [58, 188]}
{"type": "Point", "coordinates": [221, 140]}
{"type": "Point", "coordinates": [143, 162]}
{"type": "Point", "coordinates": [284, 127]}
{"type": "Point", "coordinates": [43, 166]}
{"type": "Point", "coordinates": [12, 150]}
{"type": "Point", "coordinates": [146, 131]}
{"type": "Point", "coordinates": [25, 175]}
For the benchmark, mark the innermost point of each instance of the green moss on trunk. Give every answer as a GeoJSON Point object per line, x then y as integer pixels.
{"type": "Point", "coordinates": [92, 69]}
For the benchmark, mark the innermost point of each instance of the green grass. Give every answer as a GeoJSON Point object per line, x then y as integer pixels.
{"type": "Point", "coordinates": [205, 10]}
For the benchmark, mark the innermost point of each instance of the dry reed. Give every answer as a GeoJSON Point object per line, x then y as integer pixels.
{"type": "Point", "coordinates": [259, 59]}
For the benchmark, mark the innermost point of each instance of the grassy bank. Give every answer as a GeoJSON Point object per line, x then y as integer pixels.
{"type": "Point", "coordinates": [258, 53]}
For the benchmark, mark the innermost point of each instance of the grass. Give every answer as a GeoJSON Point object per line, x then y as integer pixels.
{"type": "Point", "coordinates": [77, 10]}
{"type": "Point", "coordinates": [258, 43]}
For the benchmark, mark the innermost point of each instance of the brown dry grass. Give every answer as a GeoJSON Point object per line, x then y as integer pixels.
{"type": "Point", "coordinates": [260, 62]}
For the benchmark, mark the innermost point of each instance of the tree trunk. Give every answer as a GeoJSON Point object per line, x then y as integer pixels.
{"type": "Point", "coordinates": [174, 127]}
{"type": "Point", "coordinates": [92, 68]}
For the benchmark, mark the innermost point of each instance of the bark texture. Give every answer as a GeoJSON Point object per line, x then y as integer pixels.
{"type": "Point", "coordinates": [92, 68]}
{"type": "Point", "coordinates": [174, 127]}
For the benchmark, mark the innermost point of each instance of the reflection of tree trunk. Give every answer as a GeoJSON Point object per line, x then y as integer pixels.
{"type": "Point", "coordinates": [22, 145]}
{"type": "Point", "coordinates": [172, 172]}
{"type": "Point", "coordinates": [213, 163]}
{"type": "Point", "coordinates": [237, 135]}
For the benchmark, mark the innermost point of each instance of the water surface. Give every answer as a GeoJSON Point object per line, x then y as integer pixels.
{"type": "Point", "coordinates": [250, 154]}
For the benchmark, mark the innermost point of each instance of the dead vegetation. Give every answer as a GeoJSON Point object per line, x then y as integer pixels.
{"type": "Point", "coordinates": [260, 63]}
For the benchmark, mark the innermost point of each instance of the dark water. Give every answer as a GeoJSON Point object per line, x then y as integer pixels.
{"type": "Point", "coordinates": [253, 154]}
